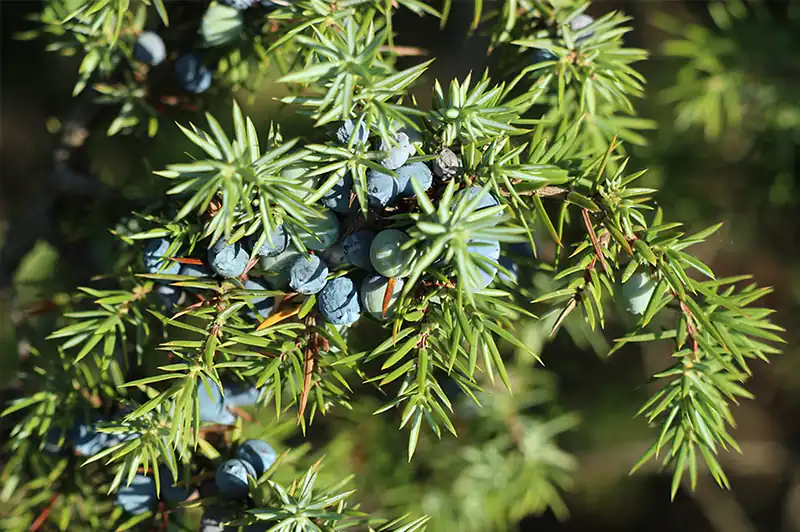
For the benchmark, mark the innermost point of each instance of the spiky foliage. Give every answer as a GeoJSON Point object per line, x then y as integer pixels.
{"type": "Point", "coordinates": [547, 151]}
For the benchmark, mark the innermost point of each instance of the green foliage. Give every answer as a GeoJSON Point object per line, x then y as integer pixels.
{"type": "Point", "coordinates": [90, 29]}
{"type": "Point", "coordinates": [589, 73]}
{"type": "Point", "coordinates": [543, 142]}
{"type": "Point", "coordinates": [721, 82]}
{"type": "Point", "coordinates": [237, 172]}
{"type": "Point", "coordinates": [505, 464]}
{"type": "Point", "coordinates": [301, 507]}
{"type": "Point", "coordinates": [348, 66]}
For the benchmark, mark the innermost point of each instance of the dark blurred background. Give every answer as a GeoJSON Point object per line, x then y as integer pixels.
{"type": "Point", "coordinates": [746, 177]}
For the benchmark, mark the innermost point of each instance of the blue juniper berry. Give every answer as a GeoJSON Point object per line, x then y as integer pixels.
{"type": "Point", "coordinates": [308, 275]}
{"type": "Point", "coordinates": [396, 155]}
{"type": "Point", "coordinates": [348, 129]}
{"type": "Point", "coordinates": [338, 302]}
{"type": "Point", "coordinates": [488, 249]}
{"type": "Point", "coordinates": [637, 292]}
{"type": "Point", "coordinates": [228, 260]}
{"type": "Point", "coordinates": [382, 189]}
{"type": "Point", "coordinates": [417, 171]}
{"type": "Point", "coordinates": [139, 496]}
{"type": "Point", "coordinates": [231, 478]}
{"type": "Point", "coordinates": [338, 198]}
{"type": "Point", "coordinates": [356, 248]}
{"type": "Point", "coordinates": [263, 304]}
{"type": "Point", "coordinates": [258, 454]}
{"type": "Point", "coordinates": [150, 48]}
{"type": "Point", "coordinates": [192, 74]}
{"type": "Point", "coordinates": [156, 260]}
{"type": "Point", "coordinates": [275, 242]}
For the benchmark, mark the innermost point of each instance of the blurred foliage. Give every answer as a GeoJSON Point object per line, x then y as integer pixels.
{"type": "Point", "coordinates": [728, 105]}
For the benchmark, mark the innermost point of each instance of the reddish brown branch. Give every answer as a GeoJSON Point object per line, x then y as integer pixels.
{"type": "Point", "coordinates": [387, 296]}
{"type": "Point", "coordinates": [544, 192]}
{"type": "Point", "coordinates": [308, 370]}
{"type": "Point", "coordinates": [593, 237]}
{"type": "Point", "coordinates": [43, 516]}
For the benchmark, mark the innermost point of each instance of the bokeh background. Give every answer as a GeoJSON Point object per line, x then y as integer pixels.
{"type": "Point", "coordinates": [737, 163]}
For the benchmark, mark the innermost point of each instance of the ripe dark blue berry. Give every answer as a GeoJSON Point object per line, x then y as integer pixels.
{"type": "Point", "coordinates": [139, 496]}
{"type": "Point", "coordinates": [231, 478]}
{"type": "Point", "coordinates": [381, 189]}
{"type": "Point", "coordinates": [150, 48]}
{"type": "Point", "coordinates": [338, 302]}
{"type": "Point", "coordinates": [274, 244]}
{"type": "Point", "coordinates": [116, 439]}
{"type": "Point", "coordinates": [170, 490]}
{"type": "Point", "coordinates": [348, 129]}
{"type": "Point", "coordinates": [513, 269]}
{"type": "Point", "coordinates": [263, 304]}
{"type": "Point", "coordinates": [308, 275]}
{"type": "Point", "coordinates": [541, 55]}
{"type": "Point", "coordinates": [276, 269]}
{"type": "Point", "coordinates": [335, 256]}
{"type": "Point", "coordinates": [523, 249]}
{"type": "Point", "coordinates": [87, 440]}
{"type": "Point", "coordinates": [338, 197]}
{"type": "Point", "coordinates": [398, 154]}
{"type": "Point", "coordinates": [194, 270]}
{"type": "Point", "coordinates": [170, 295]}
{"type": "Point", "coordinates": [417, 171]}
{"type": "Point", "coordinates": [155, 258]}
{"type": "Point", "coordinates": [192, 74]}
{"type": "Point", "coordinates": [237, 4]}
{"type": "Point", "coordinates": [239, 395]}
{"type": "Point", "coordinates": [469, 194]}
{"type": "Point", "coordinates": [214, 518]}
{"type": "Point", "coordinates": [258, 454]}
{"type": "Point", "coordinates": [578, 23]}
{"type": "Point", "coordinates": [51, 442]}
{"type": "Point", "coordinates": [356, 248]}
{"type": "Point", "coordinates": [213, 408]}
{"type": "Point", "coordinates": [415, 138]}
{"type": "Point", "coordinates": [228, 260]}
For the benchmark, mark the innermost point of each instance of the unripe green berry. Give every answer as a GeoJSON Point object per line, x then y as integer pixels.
{"type": "Point", "coordinates": [321, 233]}
{"type": "Point", "coordinates": [386, 256]}
{"type": "Point", "coordinates": [373, 292]}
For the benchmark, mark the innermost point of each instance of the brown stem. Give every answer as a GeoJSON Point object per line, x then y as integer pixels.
{"type": "Point", "coordinates": [308, 369]}
{"type": "Point", "coordinates": [407, 51]}
{"type": "Point", "coordinates": [593, 237]}
{"type": "Point", "coordinates": [164, 517]}
{"type": "Point", "coordinates": [544, 192]}
{"type": "Point", "coordinates": [387, 295]}
{"type": "Point", "coordinates": [43, 516]}
{"type": "Point", "coordinates": [239, 412]}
